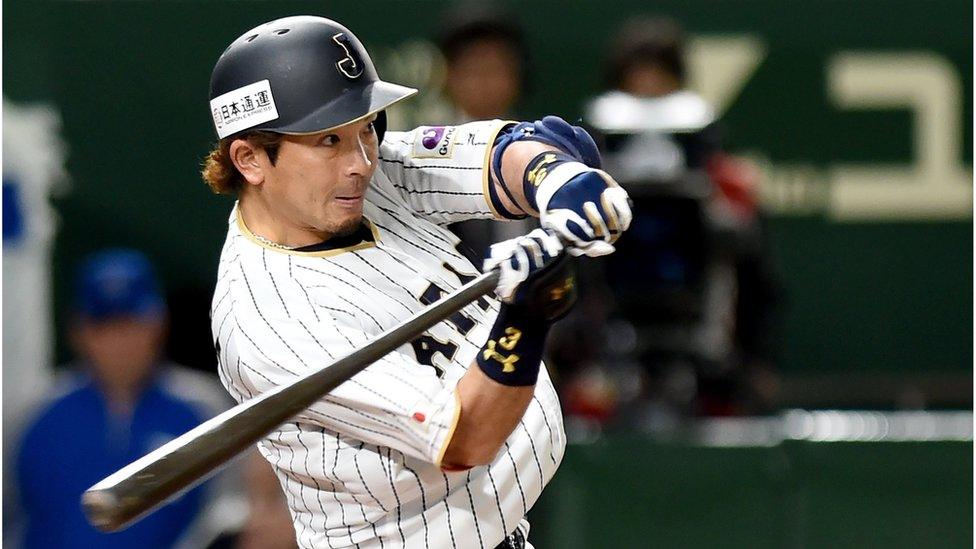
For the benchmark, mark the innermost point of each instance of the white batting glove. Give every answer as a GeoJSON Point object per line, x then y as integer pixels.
{"type": "Point", "coordinates": [584, 206]}
{"type": "Point", "coordinates": [517, 259]}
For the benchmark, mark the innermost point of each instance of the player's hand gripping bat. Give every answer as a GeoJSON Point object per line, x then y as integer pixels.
{"type": "Point", "coordinates": [166, 473]}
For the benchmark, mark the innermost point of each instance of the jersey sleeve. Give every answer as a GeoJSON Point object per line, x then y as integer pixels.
{"type": "Point", "coordinates": [442, 172]}
{"type": "Point", "coordinates": [395, 402]}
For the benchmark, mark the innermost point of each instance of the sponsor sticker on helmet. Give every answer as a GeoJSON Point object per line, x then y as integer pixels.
{"type": "Point", "coordinates": [243, 108]}
{"type": "Point", "coordinates": [434, 142]}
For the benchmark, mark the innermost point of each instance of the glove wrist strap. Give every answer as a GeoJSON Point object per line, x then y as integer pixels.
{"type": "Point", "coordinates": [545, 174]}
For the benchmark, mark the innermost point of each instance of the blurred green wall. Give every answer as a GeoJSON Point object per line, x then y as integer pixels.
{"type": "Point", "coordinates": [627, 492]}
{"type": "Point", "coordinates": [871, 287]}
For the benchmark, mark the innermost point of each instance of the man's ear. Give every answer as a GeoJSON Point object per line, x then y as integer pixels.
{"type": "Point", "coordinates": [247, 158]}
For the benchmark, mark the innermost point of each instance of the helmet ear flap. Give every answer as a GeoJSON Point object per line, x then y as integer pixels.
{"type": "Point", "coordinates": [380, 125]}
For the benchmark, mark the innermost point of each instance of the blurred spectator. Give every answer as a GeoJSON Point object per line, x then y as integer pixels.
{"type": "Point", "coordinates": [268, 524]}
{"type": "Point", "coordinates": [486, 61]}
{"type": "Point", "coordinates": [647, 58]}
{"type": "Point", "coordinates": [120, 400]}
{"type": "Point", "coordinates": [486, 58]}
{"type": "Point", "coordinates": [684, 319]}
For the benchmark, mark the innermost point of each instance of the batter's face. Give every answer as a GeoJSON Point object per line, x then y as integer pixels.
{"type": "Point", "coordinates": [316, 184]}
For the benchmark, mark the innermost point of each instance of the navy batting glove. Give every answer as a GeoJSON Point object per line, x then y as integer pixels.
{"type": "Point", "coordinates": [583, 205]}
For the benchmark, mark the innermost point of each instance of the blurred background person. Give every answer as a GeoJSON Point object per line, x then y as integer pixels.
{"type": "Point", "coordinates": [486, 63]}
{"type": "Point", "coordinates": [486, 60]}
{"type": "Point", "coordinates": [682, 315]}
{"type": "Point", "coordinates": [119, 400]}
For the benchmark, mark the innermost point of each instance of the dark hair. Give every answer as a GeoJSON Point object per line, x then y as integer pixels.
{"type": "Point", "coordinates": [657, 41]}
{"type": "Point", "coordinates": [219, 171]}
{"type": "Point", "coordinates": [470, 23]}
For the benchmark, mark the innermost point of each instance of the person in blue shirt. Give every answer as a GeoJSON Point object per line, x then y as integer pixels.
{"type": "Point", "coordinates": [119, 405]}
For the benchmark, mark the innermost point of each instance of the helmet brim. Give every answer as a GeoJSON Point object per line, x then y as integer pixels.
{"type": "Point", "coordinates": [349, 107]}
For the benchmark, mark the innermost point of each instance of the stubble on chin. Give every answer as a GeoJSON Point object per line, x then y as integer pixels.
{"type": "Point", "coordinates": [346, 227]}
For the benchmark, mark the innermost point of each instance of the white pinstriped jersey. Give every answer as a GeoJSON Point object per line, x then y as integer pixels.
{"type": "Point", "coordinates": [361, 466]}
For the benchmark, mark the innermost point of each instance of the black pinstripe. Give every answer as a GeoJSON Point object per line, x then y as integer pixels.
{"type": "Point", "coordinates": [287, 474]}
{"type": "Point", "coordinates": [220, 327]}
{"type": "Point", "coordinates": [498, 502]}
{"type": "Point", "coordinates": [335, 461]}
{"type": "Point", "coordinates": [458, 143]}
{"type": "Point", "coordinates": [250, 393]}
{"type": "Point", "coordinates": [273, 283]}
{"type": "Point", "coordinates": [372, 418]}
{"type": "Point", "coordinates": [301, 488]}
{"type": "Point", "coordinates": [270, 327]}
{"type": "Point", "coordinates": [258, 349]}
{"type": "Point", "coordinates": [545, 419]}
{"type": "Point", "coordinates": [355, 459]}
{"type": "Point", "coordinates": [318, 487]}
{"type": "Point", "coordinates": [535, 454]}
{"type": "Point", "coordinates": [447, 508]}
{"type": "Point", "coordinates": [221, 300]}
{"type": "Point", "coordinates": [364, 386]}
{"type": "Point", "coordinates": [400, 380]}
{"type": "Point", "coordinates": [357, 307]}
{"type": "Point", "coordinates": [331, 357]}
{"type": "Point", "coordinates": [423, 499]}
{"type": "Point", "coordinates": [308, 298]}
{"type": "Point", "coordinates": [426, 251]}
{"type": "Point", "coordinates": [451, 245]}
{"type": "Point", "coordinates": [416, 228]}
{"type": "Point", "coordinates": [384, 275]}
{"type": "Point", "coordinates": [457, 328]}
{"type": "Point", "coordinates": [518, 481]}
{"type": "Point", "coordinates": [374, 287]}
{"type": "Point", "coordinates": [353, 426]}
{"type": "Point", "coordinates": [227, 271]}
{"type": "Point", "coordinates": [336, 310]}
{"type": "Point", "coordinates": [474, 512]}
{"type": "Point", "coordinates": [429, 166]}
{"type": "Point", "coordinates": [396, 495]}
{"type": "Point", "coordinates": [437, 191]}
{"type": "Point", "coordinates": [256, 371]}
{"type": "Point", "coordinates": [354, 381]}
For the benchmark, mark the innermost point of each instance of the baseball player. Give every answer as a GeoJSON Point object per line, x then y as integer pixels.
{"type": "Point", "coordinates": [338, 234]}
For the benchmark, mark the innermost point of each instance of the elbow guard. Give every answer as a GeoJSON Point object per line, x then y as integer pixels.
{"type": "Point", "coordinates": [551, 130]}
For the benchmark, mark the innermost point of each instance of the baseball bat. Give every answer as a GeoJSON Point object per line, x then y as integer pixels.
{"type": "Point", "coordinates": [169, 471]}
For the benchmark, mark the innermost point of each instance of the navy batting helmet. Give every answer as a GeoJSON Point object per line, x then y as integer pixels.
{"type": "Point", "coordinates": [297, 75]}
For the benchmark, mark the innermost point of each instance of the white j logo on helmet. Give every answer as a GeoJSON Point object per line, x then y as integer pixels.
{"type": "Point", "coordinates": [347, 65]}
